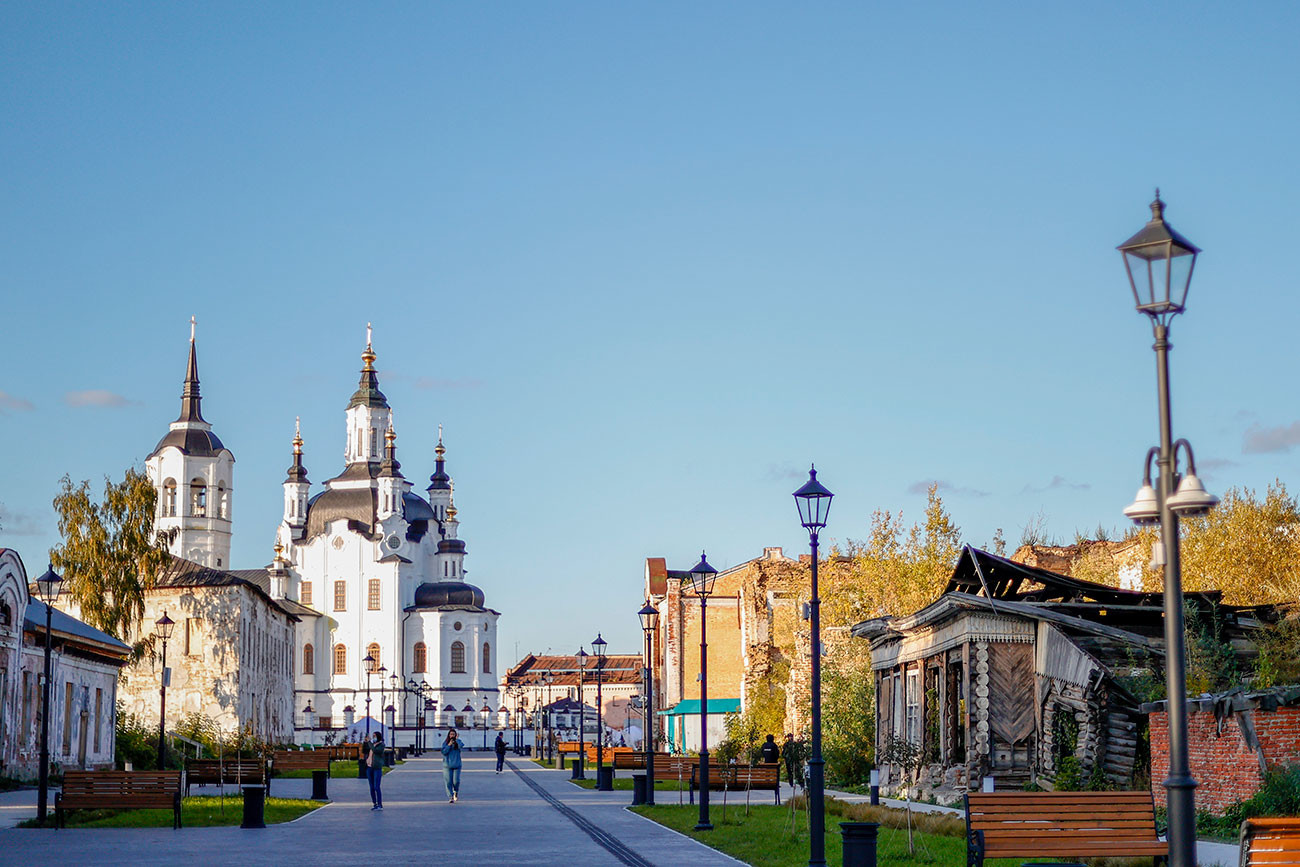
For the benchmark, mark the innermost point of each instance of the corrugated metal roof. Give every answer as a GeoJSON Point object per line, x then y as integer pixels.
{"type": "Point", "coordinates": [66, 624]}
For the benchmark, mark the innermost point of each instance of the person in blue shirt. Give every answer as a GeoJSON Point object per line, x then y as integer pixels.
{"type": "Point", "coordinates": [451, 766]}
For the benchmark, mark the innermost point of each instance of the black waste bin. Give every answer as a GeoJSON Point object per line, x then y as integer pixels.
{"type": "Point", "coordinates": [859, 841]}
{"type": "Point", "coordinates": [605, 778]}
{"type": "Point", "coordinates": [638, 789]}
{"type": "Point", "coordinates": [254, 807]}
{"type": "Point", "coordinates": [319, 781]}
{"type": "Point", "coordinates": [361, 769]}
{"type": "Point", "coordinates": [390, 757]}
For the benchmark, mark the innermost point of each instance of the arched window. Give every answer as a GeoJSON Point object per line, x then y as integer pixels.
{"type": "Point", "coordinates": [308, 659]}
{"type": "Point", "coordinates": [373, 650]}
{"type": "Point", "coordinates": [457, 658]}
{"type": "Point", "coordinates": [169, 499]}
{"type": "Point", "coordinates": [340, 659]}
{"type": "Point", "coordinates": [421, 658]}
{"type": "Point", "coordinates": [198, 498]}
{"type": "Point", "coordinates": [487, 658]}
{"type": "Point", "coordinates": [222, 503]}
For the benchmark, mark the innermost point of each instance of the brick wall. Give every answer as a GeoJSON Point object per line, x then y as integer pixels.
{"type": "Point", "coordinates": [1225, 768]}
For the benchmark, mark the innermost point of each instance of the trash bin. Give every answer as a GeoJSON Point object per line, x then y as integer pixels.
{"type": "Point", "coordinates": [254, 807]}
{"type": "Point", "coordinates": [361, 769]}
{"type": "Point", "coordinates": [319, 781]}
{"type": "Point", "coordinates": [390, 757]}
{"type": "Point", "coordinates": [859, 841]}
{"type": "Point", "coordinates": [605, 778]}
{"type": "Point", "coordinates": [638, 789]}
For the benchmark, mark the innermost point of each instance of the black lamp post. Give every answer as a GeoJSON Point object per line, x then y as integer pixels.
{"type": "Point", "coordinates": [165, 626]}
{"type": "Point", "coordinates": [1159, 262]}
{"type": "Point", "coordinates": [412, 692]}
{"type": "Point", "coordinates": [382, 671]}
{"type": "Point", "coordinates": [48, 586]}
{"type": "Point", "coordinates": [369, 664]}
{"type": "Point", "coordinates": [599, 647]}
{"type": "Point", "coordinates": [702, 578]}
{"type": "Point", "coordinates": [393, 681]}
{"type": "Point", "coordinates": [582, 716]}
{"type": "Point", "coordinates": [814, 503]}
{"type": "Point", "coordinates": [487, 713]}
{"type": "Point", "coordinates": [649, 621]}
{"type": "Point", "coordinates": [307, 713]}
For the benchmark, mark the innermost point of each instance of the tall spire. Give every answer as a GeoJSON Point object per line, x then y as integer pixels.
{"type": "Point", "coordinates": [439, 481]}
{"type": "Point", "coordinates": [190, 401]}
{"type": "Point", "coordinates": [368, 393]}
{"type": "Point", "coordinates": [297, 472]}
{"type": "Point", "coordinates": [390, 466]}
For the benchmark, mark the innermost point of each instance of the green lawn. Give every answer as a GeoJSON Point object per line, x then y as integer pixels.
{"type": "Point", "coordinates": [771, 836]}
{"type": "Point", "coordinates": [624, 784]}
{"type": "Point", "coordinates": [338, 770]}
{"type": "Point", "coordinates": [197, 812]}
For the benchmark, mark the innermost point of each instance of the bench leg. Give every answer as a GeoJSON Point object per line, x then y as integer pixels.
{"type": "Point", "coordinates": [777, 792]}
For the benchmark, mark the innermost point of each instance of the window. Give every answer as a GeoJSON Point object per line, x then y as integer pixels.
{"type": "Point", "coordinates": [308, 659]}
{"type": "Point", "coordinates": [305, 592]}
{"type": "Point", "coordinates": [340, 659]}
{"type": "Point", "coordinates": [99, 710]}
{"type": "Point", "coordinates": [325, 722]}
{"type": "Point", "coordinates": [340, 596]}
{"type": "Point", "coordinates": [487, 658]}
{"type": "Point", "coordinates": [421, 658]}
{"type": "Point", "coordinates": [198, 498]}
{"type": "Point", "coordinates": [373, 651]}
{"type": "Point", "coordinates": [28, 723]}
{"type": "Point", "coordinates": [457, 659]}
{"type": "Point", "coordinates": [913, 707]}
{"type": "Point", "coordinates": [193, 636]}
{"type": "Point", "coordinates": [222, 502]}
{"type": "Point", "coordinates": [67, 719]}
{"type": "Point", "coordinates": [169, 499]}
{"type": "Point", "coordinates": [460, 722]}
{"type": "Point", "coordinates": [372, 594]}
{"type": "Point", "coordinates": [374, 443]}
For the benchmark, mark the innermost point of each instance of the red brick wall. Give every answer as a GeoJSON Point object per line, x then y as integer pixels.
{"type": "Point", "coordinates": [1224, 768]}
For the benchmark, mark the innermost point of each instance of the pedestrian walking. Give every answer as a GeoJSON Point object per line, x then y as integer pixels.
{"type": "Point", "coordinates": [770, 752]}
{"type": "Point", "coordinates": [451, 766]}
{"type": "Point", "coordinates": [375, 770]}
{"type": "Point", "coordinates": [789, 752]}
{"type": "Point", "coordinates": [501, 752]}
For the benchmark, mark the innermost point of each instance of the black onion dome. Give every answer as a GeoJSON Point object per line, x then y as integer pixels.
{"type": "Point", "coordinates": [441, 593]}
{"type": "Point", "coordinates": [191, 441]}
{"type": "Point", "coordinates": [451, 546]}
{"type": "Point", "coordinates": [416, 508]}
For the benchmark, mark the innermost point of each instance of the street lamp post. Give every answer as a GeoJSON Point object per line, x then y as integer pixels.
{"type": "Point", "coordinates": [487, 713]}
{"type": "Point", "coordinates": [1159, 262]}
{"type": "Point", "coordinates": [548, 679]}
{"type": "Point", "coordinates": [649, 621]}
{"type": "Point", "coordinates": [393, 681]}
{"type": "Point", "coordinates": [165, 626]}
{"type": "Point", "coordinates": [599, 646]}
{"type": "Point", "coordinates": [582, 716]}
{"type": "Point", "coordinates": [309, 722]}
{"type": "Point", "coordinates": [382, 671]}
{"type": "Point", "coordinates": [814, 503]}
{"type": "Point", "coordinates": [369, 664]}
{"type": "Point", "coordinates": [48, 586]}
{"type": "Point", "coordinates": [702, 578]}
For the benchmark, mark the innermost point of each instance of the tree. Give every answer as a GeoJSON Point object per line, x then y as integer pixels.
{"type": "Point", "coordinates": [109, 556]}
{"type": "Point", "coordinates": [848, 714]}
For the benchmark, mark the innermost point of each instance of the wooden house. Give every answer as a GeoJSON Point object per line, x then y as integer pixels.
{"type": "Point", "coordinates": [1015, 670]}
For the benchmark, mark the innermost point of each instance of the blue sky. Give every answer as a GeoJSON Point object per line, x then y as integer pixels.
{"type": "Point", "coordinates": [645, 262]}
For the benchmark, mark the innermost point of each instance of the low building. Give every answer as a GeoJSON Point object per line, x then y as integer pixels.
{"type": "Point", "coordinates": [1023, 674]}
{"type": "Point", "coordinates": [542, 679]}
{"type": "Point", "coordinates": [84, 668]}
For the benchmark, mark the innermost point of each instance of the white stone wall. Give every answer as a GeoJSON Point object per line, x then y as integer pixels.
{"type": "Point", "coordinates": [230, 656]}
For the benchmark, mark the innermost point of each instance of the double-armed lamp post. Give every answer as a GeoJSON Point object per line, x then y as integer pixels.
{"type": "Point", "coordinates": [582, 716]}
{"type": "Point", "coordinates": [598, 648]}
{"type": "Point", "coordinates": [368, 663]}
{"type": "Point", "coordinates": [1159, 262]}
{"type": "Point", "coordinates": [814, 503]}
{"type": "Point", "coordinates": [702, 578]}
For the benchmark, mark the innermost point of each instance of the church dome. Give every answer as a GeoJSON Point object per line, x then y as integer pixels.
{"type": "Point", "coordinates": [191, 441]}
{"type": "Point", "coordinates": [451, 546]}
{"type": "Point", "coordinates": [441, 593]}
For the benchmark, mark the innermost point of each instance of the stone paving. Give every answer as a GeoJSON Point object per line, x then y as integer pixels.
{"type": "Point", "coordinates": [499, 819]}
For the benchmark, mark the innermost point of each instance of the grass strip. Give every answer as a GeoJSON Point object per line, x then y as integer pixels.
{"type": "Point", "coordinates": [203, 811]}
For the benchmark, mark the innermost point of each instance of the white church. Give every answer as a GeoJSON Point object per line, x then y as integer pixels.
{"type": "Point", "coordinates": [365, 567]}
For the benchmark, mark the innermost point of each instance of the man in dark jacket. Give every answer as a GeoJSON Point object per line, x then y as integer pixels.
{"type": "Point", "coordinates": [501, 752]}
{"type": "Point", "coordinates": [769, 751]}
{"type": "Point", "coordinates": [789, 752]}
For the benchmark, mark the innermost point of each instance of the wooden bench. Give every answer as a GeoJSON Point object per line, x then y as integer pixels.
{"type": "Point", "coordinates": [1270, 842]}
{"type": "Point", "coordinates": [119, 790]}
{"type": "Point", "coordinates": [344, 752]}
{"type": "Point", "coordinates": [634, 760]}
{"type": "Point", "coordinates": [760, 777]}
{"type": "Point", "coordinates": [1058, 825]}
{"type": "Point", "coordinates": [237, 771]}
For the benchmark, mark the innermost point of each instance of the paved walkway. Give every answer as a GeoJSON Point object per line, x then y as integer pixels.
{"type": "Point", "coordinates": [498, 819]}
